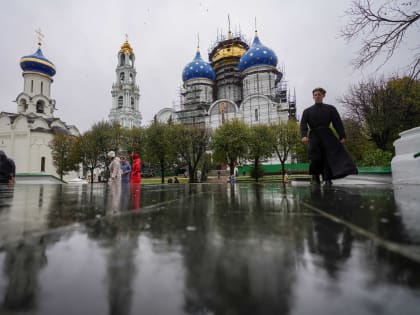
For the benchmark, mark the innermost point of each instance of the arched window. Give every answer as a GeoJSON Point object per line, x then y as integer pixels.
{"type": "Point", "coordinates": [42, 87]}
{"type": "Point", "coordinates": [122, 60]}
{"type": "Point", "coordinates": [23, 105]}
{"type": "Point", "coordinates": [40, 107]}
{"type": "Point", "coordinates": [132, 103]}
{"type": "Point", "coordinates": [32, 86]}
{"type": "Point", "coordinates": [120, 101]}
{"type": "Point", "coordinates": [132, 60]}
{"type": "Point", "coordinates": [256, 115]}
{"type": "Point", "coordinates": [43, 164]}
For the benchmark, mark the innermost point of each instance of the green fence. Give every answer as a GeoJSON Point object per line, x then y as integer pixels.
{"type": "Point", "coordinates": [295, 168]}
{"type": "Point", "coordinates": [303, 168]}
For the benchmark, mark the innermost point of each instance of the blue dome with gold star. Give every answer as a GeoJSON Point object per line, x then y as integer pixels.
{"type": "Point", "coordinates": [198, 69]}
{"type": "Point", "coordinates": [257, 55]}
{"type": "Point", "coordinates": [37, 63]}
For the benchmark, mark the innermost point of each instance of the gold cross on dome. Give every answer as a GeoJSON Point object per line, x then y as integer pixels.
{"type": "Point", "coordinates": [40, 36]}
{"type": "Point", "coordinates": [126, 37]}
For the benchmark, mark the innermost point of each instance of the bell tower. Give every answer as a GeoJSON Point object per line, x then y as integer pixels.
{"type": "Point", "coordinates": [125, 92]}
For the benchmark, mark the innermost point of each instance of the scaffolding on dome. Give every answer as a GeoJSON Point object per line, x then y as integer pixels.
{"type": "Point", "coordinates": [259, 84]}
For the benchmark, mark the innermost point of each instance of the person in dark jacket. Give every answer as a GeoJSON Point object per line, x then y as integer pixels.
{"type": "Point", "coordinates": [7, 169]}
{"type": "Point", "coordinates": [125, 170]}
{"type": "Point", "coordinates": [327, 154]}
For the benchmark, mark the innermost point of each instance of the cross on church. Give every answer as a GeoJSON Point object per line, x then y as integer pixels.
{"type": "Point", "coordinates": [126, 37]}
{"type": "Point", "coordinates": [40, 36]}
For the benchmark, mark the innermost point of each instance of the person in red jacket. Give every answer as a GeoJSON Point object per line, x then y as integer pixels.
{"type": "Point", "coordinates": [135, 169]}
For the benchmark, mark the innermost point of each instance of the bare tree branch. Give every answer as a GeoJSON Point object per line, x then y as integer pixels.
{"type": "Point", "coordinates": [381, 30]}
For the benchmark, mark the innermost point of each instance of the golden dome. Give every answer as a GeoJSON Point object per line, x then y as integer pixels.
{"type": "Point", "coordinates": [229, 51]}
{"type": "Point", "coordinates": [127, 48]}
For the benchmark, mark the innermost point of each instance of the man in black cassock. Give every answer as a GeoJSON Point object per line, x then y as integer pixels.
{"type": "Point", "coordinates": [327, 154]}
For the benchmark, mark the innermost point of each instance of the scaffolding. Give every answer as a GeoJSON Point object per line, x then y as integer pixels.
{"type": "Point", "coordinates": [263, 88]}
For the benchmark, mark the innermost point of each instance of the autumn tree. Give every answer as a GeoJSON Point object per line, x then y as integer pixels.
{"type": "Point", "coordinates": [384, 108]}
{"type": "Point", "coordinates": [160, 146]}
{"type": "Point", "coordinates": [260, 146]}
{"type": "Point", "coordinates": [64, 156]}
{"type": "Point", "coordinates": [191, 142]}
{"type": "Point", "coordinates": [357, 141]}
{"type": "Point", "coordinates": [382, 27]}
{"type": "Point", "coordinates": [229, 143]}
{"type": "Point", "coordinates": [285, 137]}
{"type": "Point", "coordinates": [134, 141]}
{"type": "Point", "coordinates": [91, 151]}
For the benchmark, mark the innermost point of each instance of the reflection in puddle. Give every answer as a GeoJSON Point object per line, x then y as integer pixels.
{"type": "Point", "coordinates": [202, 249]}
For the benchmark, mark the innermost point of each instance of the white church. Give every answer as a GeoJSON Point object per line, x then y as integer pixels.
{"type": "Point", "coordinates": [241, 81]}
{"type": "Point", "coordinates": [25, 135]}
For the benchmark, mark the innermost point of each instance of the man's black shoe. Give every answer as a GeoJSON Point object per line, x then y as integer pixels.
{"type": "Point", "coordinates": [328, 182]}
{"type": "Point", "coordinates": [316, 180]}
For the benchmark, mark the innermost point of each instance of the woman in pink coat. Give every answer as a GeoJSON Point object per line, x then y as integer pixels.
{"type": "Point", "coordinates": [135, 169]}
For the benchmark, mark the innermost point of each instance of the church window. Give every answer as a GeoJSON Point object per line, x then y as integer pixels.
{"type": "Point", "coordinates": [40, 107]}
{"type": "Point", "coordinates": [122, 60]}
{"type": "Point", "coordinates": [43, 164]}
{"type": "Point", "coordinates": [42, 87]}
{"type": "Point", "coordinates": [122, 77]}
{"type": "Point", "coordinates": [132, 60]}
{"type": "Point", "coordinates": [256, 115]}
{"type": "Point", "coordinates": [32, 86]}
{"type": "Point", "coordinates": [120, 102]}
{"type": "Point", "coordinates": [132, 103]}
{"type": "Point", "coordinates": [131, 78]}
{"type": "Point", "coordinates": [23, 105]}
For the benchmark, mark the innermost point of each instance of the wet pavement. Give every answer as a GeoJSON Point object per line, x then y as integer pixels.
{"type": "Point", "coordinates": [251, 248]}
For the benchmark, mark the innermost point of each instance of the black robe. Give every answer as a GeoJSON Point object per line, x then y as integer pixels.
{"type": "Point", "coordinates": [326, 153]}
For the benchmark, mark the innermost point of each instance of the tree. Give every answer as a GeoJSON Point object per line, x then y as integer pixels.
{"type": "Point", "coordinates": [115, 135]}
{"type": "Point", "coordinates": [229, 143]}
{"type": "Point", "coordinates": [357, 142]}
{"type": "Point", "coordinates": [107, 138]}
{"type": "Point", "coordinates": [90, 151]}
{"type": "Point", "coordinates": [63, 154]}
{"type": "Point", "coordinates": [260, 146]}
{"type": "Point", "coordinates": [382, 29]}
{"type": "Point", "coordinates": [159, 144]}
{"type": "Point", "coordinates": [285, 136]}
{"type": "Point", "coordinates": [134, 141]}
{"type": "Point", "coordinates": [191, 142]}
{"type": "Point", "coordinates": [384, 108]}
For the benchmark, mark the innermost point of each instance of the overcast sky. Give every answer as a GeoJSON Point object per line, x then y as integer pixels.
{"type": "Point", "coordinates": [83, 37]}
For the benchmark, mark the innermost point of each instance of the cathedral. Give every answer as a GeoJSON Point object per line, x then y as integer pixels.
{"type": "Point", "coordinates": [125, 92]}
{"type": "Point", "coordinates": [241, 81]}
{"type": "Point", "coordinates": [25, 135]}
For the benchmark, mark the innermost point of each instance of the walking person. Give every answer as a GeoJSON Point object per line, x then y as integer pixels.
{"type": "Point", "coordinates": [7, 169]}
{"type": "Point", "coordinates": [327, 155]}
{"type": "Point", "coordinates": [135, 169]}
{"type": "Point", "coordinates": [125, 170]}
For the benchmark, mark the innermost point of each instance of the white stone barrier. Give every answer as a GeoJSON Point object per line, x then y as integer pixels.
{"type": "Point", "coordinates": [406, 163]}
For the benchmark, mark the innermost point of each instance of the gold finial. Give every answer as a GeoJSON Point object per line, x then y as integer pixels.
{"type": "Point", "coordinates": [229, 32]}
{"type": "Point", "coordinates": [255, 25]}
{"type": "Point", "coordinates": [40, 36]}
{"type": "Point", "coordinates": [125, 47]}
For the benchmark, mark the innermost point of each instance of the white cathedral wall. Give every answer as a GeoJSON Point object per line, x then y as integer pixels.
{"type": "Point", "coordinates": [262, 83]}
{"type": "Point", "coordinates": [27, 148]}
{"type": "Point", "coordinates": [35, 87]}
